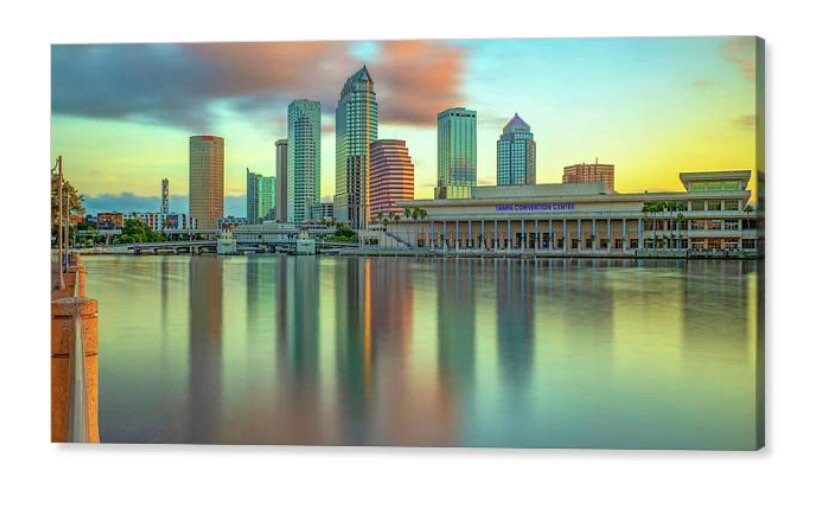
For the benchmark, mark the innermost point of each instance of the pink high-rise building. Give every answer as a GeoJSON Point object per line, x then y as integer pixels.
{"type": "Point", "coordinates": [392, 176]}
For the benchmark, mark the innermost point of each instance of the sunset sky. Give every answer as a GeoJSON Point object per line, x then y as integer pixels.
{"type": "Point", "coordinates": [122, 114]}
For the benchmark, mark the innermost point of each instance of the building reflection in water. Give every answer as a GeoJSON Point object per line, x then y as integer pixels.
{"type": "Point", "coordinates": [428, 352]}
{"type": "Point", "coordinates": [409, 406]}
{"type": "Point", "coordinates": [298, 415]}
{"type": "Point", "coordinates": [354, 349]}
{"type": "Point", "coordinates": [456, 327]}
{"type": "Point", "coordinates": [205, 388]}
{"type": "Point", "coordinates": [514, 283]}
{"type": "Point", "coordinates": [716, 306]}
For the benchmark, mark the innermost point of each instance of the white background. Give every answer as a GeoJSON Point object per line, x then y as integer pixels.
{"type": "Point", "coordinates": [789, 471]}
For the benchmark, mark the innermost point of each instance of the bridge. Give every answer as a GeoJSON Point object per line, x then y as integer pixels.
{"type": "Point", "coordinates": [284, 245]}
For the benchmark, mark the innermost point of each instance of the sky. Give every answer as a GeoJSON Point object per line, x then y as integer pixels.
{"type": "Point", "coordinates": [122, 114]}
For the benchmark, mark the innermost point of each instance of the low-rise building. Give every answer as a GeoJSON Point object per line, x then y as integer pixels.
{"type": "Point", "coordinates": [591, 173]}
{"type": "Point", "coordinates": [109, 220]}
{"type": "Point", "coordinates": [163, 221]}
{"type": "Point", "coordinates": [711, 214]}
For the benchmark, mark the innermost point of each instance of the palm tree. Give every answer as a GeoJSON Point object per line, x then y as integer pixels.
{"type": "Point", "coordinates": [407, 213]}
{"type": "Point", "coordinates": [395, 217]}
{"type": "Point", "coordinates": [380, 216]}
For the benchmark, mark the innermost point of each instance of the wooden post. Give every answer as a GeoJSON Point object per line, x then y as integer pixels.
{"type": "Point", "coordinates": [60, 221]}
{"type": "Point", "coordinates": [62, 358]}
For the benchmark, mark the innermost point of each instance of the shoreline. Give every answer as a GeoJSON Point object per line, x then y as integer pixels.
{"type": "Point", "coordinates": [470, 254]}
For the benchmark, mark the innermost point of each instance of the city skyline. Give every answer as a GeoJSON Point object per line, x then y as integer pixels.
{"type": "Point", "coordinates": [583, 96]}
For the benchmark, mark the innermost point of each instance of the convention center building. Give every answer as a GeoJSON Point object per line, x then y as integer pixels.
{"type": "Point", "coordinates": [712, 214]}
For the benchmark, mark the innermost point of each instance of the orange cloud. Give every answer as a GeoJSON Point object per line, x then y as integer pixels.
{"type": "Point", "coordinates": [415, 80]}
{"type": "Point", "coordinates": [294, 68]}
{"type": "Point", "coordinates": [747, 121]}
{"type": "Point", "coordinates": [741, 51]}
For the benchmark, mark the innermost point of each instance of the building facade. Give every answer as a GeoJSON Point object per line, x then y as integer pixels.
{"type": "Point", "coordinates": [281, 180]}
{"type": "Point", "coordinates": [207, 180]}
{"type": "Point", "coordinates": [109, 220]}
{"type": "Point", "coordinates": [267, 198]}
{"type": "Point", "coordinates": [392, 176]}
{"type": "Point", "coordinates": [357, 117]}
{"type": "Point", "coordinates": [303, 159]}
{"type": "Point", "coordinates": [590, 173]}
{"type": "Point", "coordinates": [261, 197]}
{"type": "Point", "coordinates": [516, 151]}
{"type": "Point", "coordinates": [167, 221]}
{"type": "Point", "coordinates": [323, 211]}
{"type": "Point", "coordinates": [712, 217]}
{"type": "Point", "coordinates": [456, 153]}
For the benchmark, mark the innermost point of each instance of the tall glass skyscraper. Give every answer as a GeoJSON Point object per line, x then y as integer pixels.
{"type": "Point", "coordinates": [516, 154]}
{"type": "Point", "coordinates": [456, 153]}
{"type": "Point", "coordinates": [357, 116]}
{"type": "Point", "coordinates": [303, 171]}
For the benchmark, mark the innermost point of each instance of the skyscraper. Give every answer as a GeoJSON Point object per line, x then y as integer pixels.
{"type": "Point", "coordinates": [281, 180]}
{"type": "Point", "coordinates": [392, 176]}
{"type": "Point", "coordinates": [303, 159]}
{"type": "Point", "coordinates": [589, 173]}
{"type": "Point", "coordinates": [516, 154]}
{"type": "Point", "coordinates": [165, 196]}
{"type": "Point", "coordinates": [456, 153]}
{"type": "Point", "coordinates": [206, 180]}
{"type": "Point", "coordinates": [253, 197]}
{"type": "Point", "coordinates": [357, 116]}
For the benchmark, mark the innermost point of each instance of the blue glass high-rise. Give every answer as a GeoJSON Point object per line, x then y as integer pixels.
{"type": "Point", "coordinates": [456, 153]}
{"type": "Point", "coordinates": [516, 154]}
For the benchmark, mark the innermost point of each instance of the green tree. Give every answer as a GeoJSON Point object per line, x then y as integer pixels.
{"type": "Point", "coordinates": [75, 200]}
{"type": "Point", "coordinates": [135, 231]}
{"type": "Point", "coordinates": [344, 234]}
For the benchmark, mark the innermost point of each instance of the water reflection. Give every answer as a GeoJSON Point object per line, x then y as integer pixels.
{"type": "Point", "coordinates": [515, 320]}
{"type": "Point", "coordinates": [205, 386]}
{"type": "Point", "coordinates": [275, 349]}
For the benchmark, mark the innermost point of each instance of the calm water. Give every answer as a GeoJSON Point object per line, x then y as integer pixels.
{"type": "Point", "coordinates": [426, 352]}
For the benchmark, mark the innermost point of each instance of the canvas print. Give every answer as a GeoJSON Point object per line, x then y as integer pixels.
{"type": "Point", "coordinates": [540, 243]}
